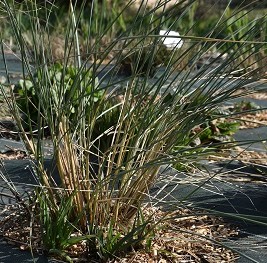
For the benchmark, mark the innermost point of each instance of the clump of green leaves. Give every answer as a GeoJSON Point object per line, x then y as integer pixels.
{"type": "Point", "coordinates": [245, 106]}
{"type": "Point", "coordinates": [207, 138]}
{"type": "Point", "coordinates": [62, 84]}
{"type": "Point", "coordinates": [215, 131]}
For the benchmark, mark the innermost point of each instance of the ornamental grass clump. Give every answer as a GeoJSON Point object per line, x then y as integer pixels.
{"type": "Point", "coordinates": [111, 135]}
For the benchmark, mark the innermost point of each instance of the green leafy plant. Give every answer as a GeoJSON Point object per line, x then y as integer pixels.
{"type": "Point", "coordinates": [62, 83]}
{"type": "Point", "coordinates": [219, 130]}
{"type": "Point", "coordinates": [245, 106]}
{"type": "Point", "coordinates": [59, 227]}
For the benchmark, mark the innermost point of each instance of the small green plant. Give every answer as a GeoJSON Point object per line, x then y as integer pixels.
{"type": "Point", "coordinates": [216, 131]}
{"type": "Point", "coordinates": [53, 239]}
{"type": "Point", "coordinates": [245, 106]}
{"type": "Point", "coordinates": [205, 139]}
{"type": "Point", "coordinates": [61, 85]}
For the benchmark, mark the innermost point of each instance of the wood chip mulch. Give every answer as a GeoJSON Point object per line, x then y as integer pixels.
{"type": "Point", "coordinates": [250, 157]}
{"type": "Point", "coordinates": [185, 238]}
{"type": "Point", "coordinates": [13, 154]}
{"type": "Point", "coordinates": [241, 154]}
{"type": "Point", "coordinates": [254, 120]}
{"type": "Point", "coordinates": [257, 96]}
{"type": "Point", "coordinates": [257, 161]}
{"type": "Point", "coordinates": [188, 239]}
